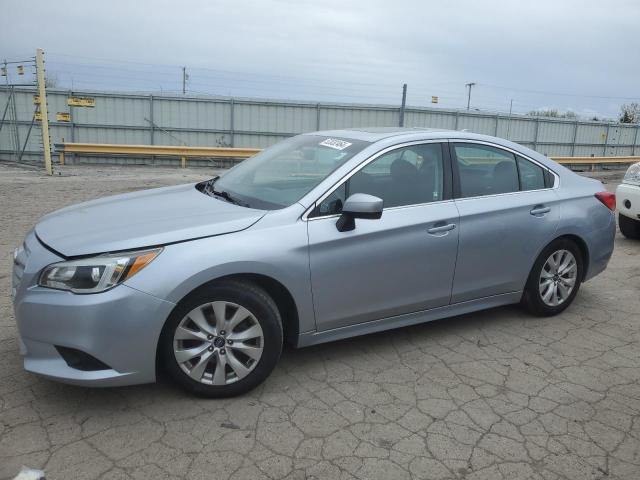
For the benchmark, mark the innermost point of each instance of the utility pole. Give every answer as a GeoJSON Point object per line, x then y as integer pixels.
{"type": "Point", "coordinates": [404, 103]}
{"type": "Point", "coordinates": [42, 93]}
{"type": "Point", "coordinates": [509, 121]}
{"type": "Point", "coordinates": [469, 85]}
{"type": "Point", "coordinates": [184, 80]}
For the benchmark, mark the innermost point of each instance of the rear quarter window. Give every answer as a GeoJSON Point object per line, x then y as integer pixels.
{"type": "Point", "coordinates": [532, 176]}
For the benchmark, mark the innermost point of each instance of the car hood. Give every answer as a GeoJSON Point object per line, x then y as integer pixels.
{"type": "Point", "coordinates": [141, 219]}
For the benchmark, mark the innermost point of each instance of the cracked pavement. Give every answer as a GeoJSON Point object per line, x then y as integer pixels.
{"type": "Point", "coordinates": [491, 395]}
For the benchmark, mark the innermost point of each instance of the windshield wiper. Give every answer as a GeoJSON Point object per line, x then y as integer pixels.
{"type": "Point", "coordinates": [210, 190]}
{"type": "Point", "coordinates": [227, 197]}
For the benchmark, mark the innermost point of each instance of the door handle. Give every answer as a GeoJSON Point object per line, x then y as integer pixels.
{"type": "Point", "coordinates": [441, 228]}
{"type": "Point", "coordinates": [539, 210]}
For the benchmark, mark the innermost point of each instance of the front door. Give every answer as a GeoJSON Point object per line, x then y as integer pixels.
{"type": "Point", "coordinates": [401, 263]}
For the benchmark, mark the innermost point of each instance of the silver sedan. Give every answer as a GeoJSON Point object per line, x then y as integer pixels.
{"type": "Point", "coordinates": [321, 237]}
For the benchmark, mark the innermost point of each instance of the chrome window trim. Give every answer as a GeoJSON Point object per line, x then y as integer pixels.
{"type": "Point", "coordinates": [501, 194]}
{"type": "Point", "coordinates": [556, 177]}
{"type": "Point", "coordinates": [360, 166]}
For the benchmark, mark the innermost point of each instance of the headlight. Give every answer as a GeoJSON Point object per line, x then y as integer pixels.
{"type": "Point", "coordinates": [632, 177]}
{"type": "Point", "coordinates": [96, 274]}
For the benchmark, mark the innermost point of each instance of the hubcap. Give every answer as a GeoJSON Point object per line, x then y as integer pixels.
{"type": "Point", "coordinates": [558, 277]}
{"type": "Point", "coordinates": [218, 343]}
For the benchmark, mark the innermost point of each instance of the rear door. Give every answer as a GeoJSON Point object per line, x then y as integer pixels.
{"type": "Point", "coordinates": [400, 263]}
{"type": "Point", "coordinates": [508, 213]}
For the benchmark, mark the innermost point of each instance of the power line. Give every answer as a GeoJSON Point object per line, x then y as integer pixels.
{"type": "Point", "coordinates": [541, 92]}
{"type": "Point", "coordinates": [233, 72]}
{"type": "Point", "coordinates": [122, 78]}
{"type": "Point", "coordinates": [137, 76]}
{"type": "Point", "coordinates": [357, 87]}
{"type": "Point", "coordinates": [346, 82]}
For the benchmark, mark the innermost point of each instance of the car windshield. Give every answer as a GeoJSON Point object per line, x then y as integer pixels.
{"type": "Point", "coordinates": [282, 174]}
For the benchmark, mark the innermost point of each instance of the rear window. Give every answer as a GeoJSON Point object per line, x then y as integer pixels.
{"type": "Point", "coordinates": [486, 170]}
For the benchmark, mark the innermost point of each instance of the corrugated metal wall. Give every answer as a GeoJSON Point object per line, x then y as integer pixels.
{"type": "Point", "coordinates": [197, 121]}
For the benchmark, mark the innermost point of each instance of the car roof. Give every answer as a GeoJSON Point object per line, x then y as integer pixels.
{"type": "Point", "coordinates": [374, 134]}
{"type": "Point", "coordinates": [388, 136]}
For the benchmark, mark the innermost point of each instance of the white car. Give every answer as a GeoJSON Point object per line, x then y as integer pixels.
{"type": "Point", "coordinates": [628, 203]}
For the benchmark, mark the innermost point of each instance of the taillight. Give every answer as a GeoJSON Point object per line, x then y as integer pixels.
{"type": "Point", "coordinates": [608, 199]}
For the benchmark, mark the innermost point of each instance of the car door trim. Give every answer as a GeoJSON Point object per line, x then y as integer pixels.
{"type": "Point", "coordinates": [446, 161]}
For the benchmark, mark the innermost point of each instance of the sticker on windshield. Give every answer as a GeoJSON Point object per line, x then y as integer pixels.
{"type": "Point", "coordinates": [335, 143]}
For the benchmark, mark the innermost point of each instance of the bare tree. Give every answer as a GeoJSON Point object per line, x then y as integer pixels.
{"type": "Point", "coordinates": [552, 113]}
{"type": "Point", "coordinates": [630, 113]}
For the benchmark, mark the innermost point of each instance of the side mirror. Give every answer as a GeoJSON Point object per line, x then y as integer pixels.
{"type": "Point", "coordinates": [359, 205]}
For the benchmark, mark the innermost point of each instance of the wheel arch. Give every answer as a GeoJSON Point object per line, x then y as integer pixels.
{"type": "Point", "coordinates": [531, 295]}
{"type": "Point", "coordinates": [280, 294]}
{"type": "Point", "coordinates": [584, 250]}
{"type": "Point", "coordinates": [580, 243]}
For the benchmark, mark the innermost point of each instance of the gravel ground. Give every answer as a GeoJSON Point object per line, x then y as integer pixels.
{"type": "Point", "coordinates": [491, 395]}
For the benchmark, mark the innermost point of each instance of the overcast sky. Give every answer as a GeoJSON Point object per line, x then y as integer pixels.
{"type": "Point", "coordinates": [582, 55]}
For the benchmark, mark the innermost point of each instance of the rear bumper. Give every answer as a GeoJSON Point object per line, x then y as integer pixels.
{"type": "Point", "coordinates": [600, 244]}
{"type": "Point", "coordinates": [628, 200]}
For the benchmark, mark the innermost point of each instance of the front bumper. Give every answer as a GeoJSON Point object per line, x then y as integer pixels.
{"type": "Point", "coordinates": [628, 200]}
{"type": "Point", "coordinates": [120, 327]}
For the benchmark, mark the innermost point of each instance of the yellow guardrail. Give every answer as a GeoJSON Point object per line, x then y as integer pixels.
{"type": "Point", "coordinates": [153, 150]}
{"type": "Point", "coordinates": [227, 152]}
{"type": "Point", "coordinates": [595, 160]}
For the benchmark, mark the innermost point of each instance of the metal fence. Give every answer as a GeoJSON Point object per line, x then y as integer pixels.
{"type": "Point", "coordinates": [240, 122]}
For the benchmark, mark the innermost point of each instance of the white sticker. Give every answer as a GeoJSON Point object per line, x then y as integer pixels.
{"type": "Point", "coordinates": [335, 143]}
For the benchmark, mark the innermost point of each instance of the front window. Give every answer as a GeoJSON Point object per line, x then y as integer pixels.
{"type": "Point", "coordinates": [282, 174]}
{"type": "Point", "coordinates": [405, 176]}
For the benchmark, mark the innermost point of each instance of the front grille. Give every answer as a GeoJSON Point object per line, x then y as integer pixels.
{"type": "Point", "coordinates": [20, 257]}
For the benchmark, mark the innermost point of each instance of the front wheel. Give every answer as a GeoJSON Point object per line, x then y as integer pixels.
{"type": "Point", "coordinates": [222, 340]}
{"type": "Point", "coordinates": [554, 279]}
{"type": "Point", "coordinates": [629, 227]}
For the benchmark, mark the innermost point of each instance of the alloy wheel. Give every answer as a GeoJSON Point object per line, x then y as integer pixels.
{"type": "Point", "coordinates": [558, 278]}
{"type": "Point", "coordinates": [218, 343]}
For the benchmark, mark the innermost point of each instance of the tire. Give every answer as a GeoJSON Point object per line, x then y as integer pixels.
{"type": "Point", "coordinates": [532, 298]}
{"type": "Point", "coordinates": [225, 364]}
{"type": "Point", "coordinates": [629, 227]}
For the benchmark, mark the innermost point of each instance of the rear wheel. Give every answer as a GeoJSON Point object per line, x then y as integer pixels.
{"type": "Point", "coordinates": [223, 340]}
{"type": "Point", "coordinates": [554, 279]}
{"type": "Point", "coordinates": [629, 227]}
